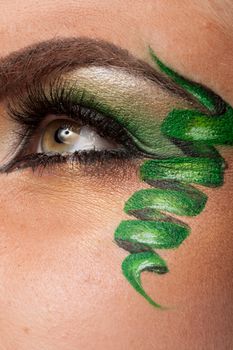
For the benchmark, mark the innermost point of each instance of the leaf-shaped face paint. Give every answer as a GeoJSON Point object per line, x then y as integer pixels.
{"type": "Point", "coordinates": [206, 97]}
{"type": "Point", "coordinates": [152, 234]}
{"type": "Point", "coordinates": [195, 134]}
{"type": "Point", "coordinates": [201, 171]}
{"type": "Point", "coordinates": [217, 130]}
{"type": "Point", "coordinates": [189, 202]}
{"type": "Point", "coordinates": [135, 264]}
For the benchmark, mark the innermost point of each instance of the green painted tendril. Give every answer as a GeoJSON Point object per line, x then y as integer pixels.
{"type": "Point", "coordinates": [170, 179]}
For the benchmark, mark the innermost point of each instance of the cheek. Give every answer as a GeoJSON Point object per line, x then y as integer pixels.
{"type": "Point", "coordinates": [59, 264]}
{"type": "Point", "coordinates": [61, 286]}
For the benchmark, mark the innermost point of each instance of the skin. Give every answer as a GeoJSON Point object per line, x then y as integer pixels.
{"type": "Point", "coordinates": [61, 282]}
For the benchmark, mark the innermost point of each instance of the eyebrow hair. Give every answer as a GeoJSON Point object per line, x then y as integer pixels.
{"type": "Point", "coordinates": [31, 64]}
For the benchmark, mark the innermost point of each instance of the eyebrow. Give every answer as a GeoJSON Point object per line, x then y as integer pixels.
{"type": "Point", "coordinates": [58, 56]}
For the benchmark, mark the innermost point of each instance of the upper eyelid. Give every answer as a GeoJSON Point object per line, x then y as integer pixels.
{"type": "Point", "coordinates": [138, 104]}
{"type": "Point", "coordinates": [130, 112]}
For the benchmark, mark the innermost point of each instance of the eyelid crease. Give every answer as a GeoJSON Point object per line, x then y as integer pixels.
{"type": "Point", "coordinates": [62, 55]}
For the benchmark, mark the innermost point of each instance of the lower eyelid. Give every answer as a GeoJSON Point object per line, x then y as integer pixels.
{"type": "Point", "coordinates": [89, 159]}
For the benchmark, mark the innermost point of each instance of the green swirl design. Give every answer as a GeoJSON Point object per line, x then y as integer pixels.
{"type": "Point", "coordinates": [170, 179]}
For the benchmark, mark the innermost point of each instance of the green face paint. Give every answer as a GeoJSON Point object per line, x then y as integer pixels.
{"type": "Point", "coordinates": [135, 264]}
{"type": "Point", "coordinates": [151, 234]}
{"type": "Point", "coordinates": [206, 97]}
{"type": "Point", "coordinates": [213, 130]}
{"type": "Point", "coordinates": [194, 133]}
{"type": "Point", "coordinates": [203, 171]}
{"type": "Point", "coordinates": [187, 201]}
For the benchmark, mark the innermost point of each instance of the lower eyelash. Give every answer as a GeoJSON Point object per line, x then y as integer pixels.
{"type": "Point", "coordinates": [43, 160]}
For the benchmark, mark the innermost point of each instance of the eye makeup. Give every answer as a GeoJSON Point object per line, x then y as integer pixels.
{"type": "Point", "coordinates": [135, 102]}
{"type": "Point", "coordinates": [127, 108]}
{"type": "Point", "coordinates": [59, 100]}
{"type": "Point", "coordinates": [98, 76]}
{"type": "Point", "coordinates": [128, 101]}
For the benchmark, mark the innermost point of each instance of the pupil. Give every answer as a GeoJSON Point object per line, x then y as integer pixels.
{"type": "Point", "coordinates": [58, 137]}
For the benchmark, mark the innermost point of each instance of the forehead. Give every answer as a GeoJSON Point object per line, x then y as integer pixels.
{"type": "Point", "coordinates": [191, 37]}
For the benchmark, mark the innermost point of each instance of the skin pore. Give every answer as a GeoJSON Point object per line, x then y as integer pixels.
{"type": "Point", "coordinates": [61, 282]}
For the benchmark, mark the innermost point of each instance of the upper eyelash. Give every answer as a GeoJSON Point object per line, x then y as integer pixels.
{"type": "Point", "coordinates": [30, 111]}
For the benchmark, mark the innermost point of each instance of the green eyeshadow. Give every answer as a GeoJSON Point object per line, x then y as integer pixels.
{"type": "Point", "coordinates": [139, 105]}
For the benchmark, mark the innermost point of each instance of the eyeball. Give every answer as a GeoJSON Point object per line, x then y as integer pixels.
{"type": "Point", "coordinates": [67, 136]}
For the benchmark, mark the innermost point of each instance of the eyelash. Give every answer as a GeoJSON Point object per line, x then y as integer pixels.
{"type": "Point", "coordinates": [58, 100]}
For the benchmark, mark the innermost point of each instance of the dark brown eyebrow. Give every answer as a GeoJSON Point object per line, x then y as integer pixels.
{"type": "Point", "coordinates": [29, 65]}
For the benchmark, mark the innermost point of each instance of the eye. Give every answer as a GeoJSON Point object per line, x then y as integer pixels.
{"type": "Point", "coordinates": [60, 131]}
{"type": "Point", "coordinates": [67, 136]}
